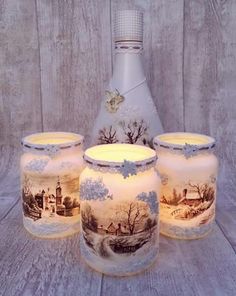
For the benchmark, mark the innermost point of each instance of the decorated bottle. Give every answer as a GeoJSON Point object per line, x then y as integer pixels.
{"type": "Point", "coordinates": [127, 113]}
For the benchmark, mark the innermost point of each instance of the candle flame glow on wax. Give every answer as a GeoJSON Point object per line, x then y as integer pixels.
{"type": "Point", "coordinates": [183, 138]}
{"type": "Point", "coordinates": [120, 152]}
{"type": "Point", "coordinates": [52, 138]}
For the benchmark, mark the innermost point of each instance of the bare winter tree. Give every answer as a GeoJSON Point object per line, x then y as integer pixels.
{"type": "Point", "coordinates": [88, 219]}
{"type": "Point", "coordinates": [163, 199]}
{"type": "Point", "coordinates": [86, 214]}
{"type": "Point", "coordinates": [209, 194]}
{"type": "Point", "coordinates": [134, 130]}
{"type": "Point", "coordinates": [204, 191]}
{"type": "Point", "coordinates": [28, 200]}
{"type": "Point", "coordinates": [132, 214]}
{"type": "Point", "coordinates": [149, 224]}
{"type": "Point", "coordinates": [68, 202]}
{"type": "Point", "coordinates": [26, 185]}
{"type": "Point", "coordinates": [107, 136]}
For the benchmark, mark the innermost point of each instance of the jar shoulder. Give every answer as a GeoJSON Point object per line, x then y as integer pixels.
{"type": "Point", "coordinates": [148, 178]}
{"type": "Point", "coordinates": [45, 164]}
{"type": "Point", "coordinates": [180, 161]}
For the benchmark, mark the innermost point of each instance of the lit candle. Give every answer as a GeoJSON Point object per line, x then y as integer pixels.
{"type": "Point", "coordinates": [50, 170]}
{"type": "Point", "coordinates": [119, 208]}
{"type": "Point", "coordinates": [188, 171]}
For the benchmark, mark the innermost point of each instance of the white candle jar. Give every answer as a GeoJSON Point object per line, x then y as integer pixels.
{"type": "Point", "coordinates": [119, 208]}
{"type": "Point", "coordinates": [50, 168]}
{"type": "Point", "coordinates": [188, 171]}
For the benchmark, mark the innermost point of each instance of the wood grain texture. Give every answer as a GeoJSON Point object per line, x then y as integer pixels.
{"type": "Point", "coordinates": [226, 205]}
{"type": "Point", "coordinates": [209, 69]}
{"type": "Point", "coordinates": [20, 102]}
{"type": "Point", "coordinates": [200, 267]}
{"type": "Point", "coordinates": [210, 91]}
{"type": "Point", "coordinates": [163, 55]}
{"type": "Point", "coordinates": [75, 62]}
{"type": "Point", "coordinates": [54, 267]}
{"type": "Point", "coordinates": [55, 60]}
{"type": "Point", "coordinates": [209, 66]}
{"type": "Point", "coordinates": [9, 178]}
{"type": "Point", "coordinates": [41, 267]}
{"type": "Point", "coordinates": [165, 61]}
{"type": "Point", "coordinates": [20, 111]}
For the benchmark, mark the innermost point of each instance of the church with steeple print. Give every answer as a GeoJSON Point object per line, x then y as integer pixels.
{"type": "Point", "coordinates": [58, 193]}
{"type": "Point", "coordinates": [47, 203]}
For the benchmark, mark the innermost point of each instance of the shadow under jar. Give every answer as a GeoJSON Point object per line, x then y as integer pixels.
{"type": "Point", "coordinates": [50, 168]}
{"type": "Point", "coordinates": [188, 172]}
{"type": "Point", "coordinates": [119, 191]}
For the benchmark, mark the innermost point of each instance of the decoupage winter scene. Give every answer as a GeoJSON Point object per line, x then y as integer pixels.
{"type": "Point", "coordinates": [187, 206]}
{"type": "Point", "coordinates": [118, 230]}
{"type": "Point", "coordinates": [51, 204]}
{"type": "Point", "coordinates": [122, 121]}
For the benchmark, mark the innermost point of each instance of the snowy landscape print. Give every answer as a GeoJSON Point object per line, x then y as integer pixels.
{"type": "Point", "coordinates": [50, 204]}
{"type": "Point", "coordinates": [189, 204]}
{"type": "Point", "coordinates": [116, 230]}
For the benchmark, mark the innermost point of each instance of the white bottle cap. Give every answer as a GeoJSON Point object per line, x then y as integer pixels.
{"type": "Point", "coordinates": [128, 25]}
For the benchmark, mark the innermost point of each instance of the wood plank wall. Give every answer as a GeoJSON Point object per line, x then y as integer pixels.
{"type": "Point", "coordinates": [56, 57]}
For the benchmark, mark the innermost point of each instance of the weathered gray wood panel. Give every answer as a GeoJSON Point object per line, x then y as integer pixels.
{"type": "Point", "coordinates": [7, 204]}
{"type": "Point", "coordinates": [166, 59]}
{"type": "Point", "coordinates": [54, 267]}
{"type": "Point", "coordinates": [41, 267]}
{"type": "Point", "coordinates": [75, 62]}
{"type": "Point", "coordinates": [20, 111]}
{"type": "Point", "coordinates": [183, 268]}
{"type": "Point", "coordinates": [20, 104]}
{"type": "Point", "coordinates": [210, 91]}
{"type": "Point", "coordinates": [209, 67]}
{"type": "Point", "coordinates": [226, 209]}
{"type": "Point", "coordinates": [209, 73]}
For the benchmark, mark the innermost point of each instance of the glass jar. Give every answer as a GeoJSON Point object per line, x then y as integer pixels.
{"type": "Point", "coordinates": [119, 208]}
{"type": "Point", "coordinates": [188, 171]}
{"type": "Point", "coordinates": [50, 170]}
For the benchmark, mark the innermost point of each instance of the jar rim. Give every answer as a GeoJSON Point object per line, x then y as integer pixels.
{"type": "Point", "coordinates": [61, 140]}
{"type": "Point", "coordinates": [114, 155]}
{"type": "Point", "coordinates": [182, 140]}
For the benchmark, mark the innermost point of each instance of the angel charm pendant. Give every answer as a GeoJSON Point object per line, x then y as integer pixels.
{"type": "Point", "coordinates": [113, 100]}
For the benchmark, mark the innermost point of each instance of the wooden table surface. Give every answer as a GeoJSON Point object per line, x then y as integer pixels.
{"type": "Point", "coordinates": [31, 266]}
